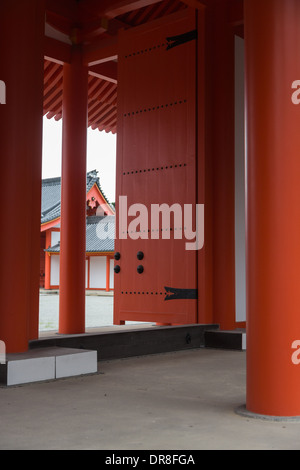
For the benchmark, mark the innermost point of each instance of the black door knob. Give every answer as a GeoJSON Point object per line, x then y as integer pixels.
{"type": "Point", "coordinates": [117, 256]}
{"type": "Point", "coordinates": [117, 269]}
{"type": "Point", "coordinates": [140, 255]}
{"type": "Point", "coordinates": [140, 269]}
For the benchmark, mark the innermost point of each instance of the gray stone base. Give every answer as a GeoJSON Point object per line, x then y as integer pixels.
{"type": "Point", "coordinates": [242, 411]}
{"type": "Point", "coordinates": [46, 364]}
{"type": "Point", "coordinates": [221, 339]}
{"type": "Point", "coordinates": [120, 342]}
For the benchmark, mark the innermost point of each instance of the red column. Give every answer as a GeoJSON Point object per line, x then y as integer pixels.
{"type": "Point", "coordinates": [22, 26]}
{"type": "Point", "coordinates": [73, 197]}
{"type": "Point", "coordinates": [47, 260]}
{"type": "Point", "coordinates": [204, 169]}
{"type": "Point", "coordinates": [107, 273]}
{"type": "Point", "coordinates": [220, 120]}
{"type": "Point", "coordinates": [273, 201]}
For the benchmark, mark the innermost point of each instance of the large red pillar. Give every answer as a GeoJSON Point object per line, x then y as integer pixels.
{"type": "Point", "coordinates": [47, 260]}
{"type": "Point", "coordinates": [272, 36]}
{"type": "Point", "coordinates": [73, 197]}
{"type": "Point", "coordinates": [22, 24]}
{"type": "Point", "coordinates": [220, 168]}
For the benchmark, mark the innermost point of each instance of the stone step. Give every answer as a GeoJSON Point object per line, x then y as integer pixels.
{"type": "Point", "coordinates": [230, 339]}
{"type": "Point", "coordinates": [120, 342]}
{"type": "Point", "coordinates": [46, 364]}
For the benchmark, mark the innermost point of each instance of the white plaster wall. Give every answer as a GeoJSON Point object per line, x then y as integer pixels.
{"type": "Point", "coordinates": [55, 238]}
{"type": "Point", "coordinates": [111, 274]}
{"type": "Point", "coordinates": [54, 276]}
{"type": "Point", "coordinates": [240, 246]}
{"type": "Point", "coordinates": [86, 273]}
{"type": "Point", "coordinates": [98, 272]}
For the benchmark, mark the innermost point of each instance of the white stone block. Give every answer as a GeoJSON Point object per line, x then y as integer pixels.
{"type": "Point", "coordinates": [78, 363]}
{"type": "Point", "coordinates": [30, 370]}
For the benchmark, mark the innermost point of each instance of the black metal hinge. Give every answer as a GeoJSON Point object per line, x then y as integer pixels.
{"type": "Point", "coordinates": [174, 41]}
{"type": "Point", "coordinates": [175, 294]}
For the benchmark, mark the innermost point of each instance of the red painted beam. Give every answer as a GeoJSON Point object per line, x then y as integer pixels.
{"type": "Point", "coordinates": [101, 113]}
{"type": "Point", "coordinates": [105, 116]}
{"type": "Point", "coordinates": [236, 12]}
{"type": "Point", "coordinates": [50, 105]}
{"type": "Point", "coordinates": [98, 111]}
{"type": "Point", "coordinates": [91, 29]}
{"type": "Point", "coordinates": [235, 9]}
{"type": "Point", "coordinates": [51, 70]}
{"type": "Point", "coordinates": [93, 83]}
{"type": "Point", "coordinates": [64, 25]}
{"type": "Point", "coordinates": [108, 95]}
{"type": "Point", "coordinates": [52, 84]}
{"type": "Point", "coordinates": [66, 9]}
{"type": "Point", "coordinates": [113, 8]}
{"type": "Point", "coordinates": [100, 90]}
{"type": "Point", "coordinates": [101, 51]}
{"type": "Point", "coordinates": [57, 51]}
{"type": "Point", "coordinates": [107, 71]}
{"type": "Point", "coordinates": [195, 3]}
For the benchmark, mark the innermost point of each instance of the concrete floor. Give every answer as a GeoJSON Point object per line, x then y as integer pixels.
{"type": "Point", "coordinates": [177, 401]}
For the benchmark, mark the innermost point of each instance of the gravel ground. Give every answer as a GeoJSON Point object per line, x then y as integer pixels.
{"type": "Point", "coordinates": [99, 311]}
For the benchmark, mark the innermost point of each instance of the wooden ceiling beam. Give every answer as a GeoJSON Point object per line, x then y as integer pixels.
{"type": "Point", "coordinates": [235, 9]}
{"type": "Point", "coordinates": [236, 12]}
{"type": "Point", "coordinates": [113, 8]}
{"type": "Point", "coordinates": [101, 51]}
{"type": "Point", "coordinates": [107, 71]}
{"type": "Point", "coordinates": [67, 9]}
{"type": "Point", "coordinates": [57, 51]}
{"type": "Point", "coordinates": [197, 4]}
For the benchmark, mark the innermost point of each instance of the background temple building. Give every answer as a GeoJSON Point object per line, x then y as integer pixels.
{"type": "Point", "coordinates": [99, 253]}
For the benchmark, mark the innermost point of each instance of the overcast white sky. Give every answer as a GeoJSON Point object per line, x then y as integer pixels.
{"type": "Point", "coordinates": [101, 155]}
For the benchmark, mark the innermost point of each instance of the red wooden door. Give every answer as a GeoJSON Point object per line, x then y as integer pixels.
{"type": "Point", "coordinates": [156, 164]}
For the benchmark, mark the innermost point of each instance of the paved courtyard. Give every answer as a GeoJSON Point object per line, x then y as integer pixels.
{"type": "Point", "coordinates": [181, 400]}
{"type": "Point", "coordinates": [99, 311]}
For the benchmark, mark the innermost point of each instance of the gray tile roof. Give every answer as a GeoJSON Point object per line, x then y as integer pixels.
{"type": "Point", "coordinates": [51, 189]}
{"type": "Point", "coordinates": [99, 235]}
{"type": "Point", "coordinates": [50, 199]}
{"type": "Point", "coordinates": [99, 229]}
